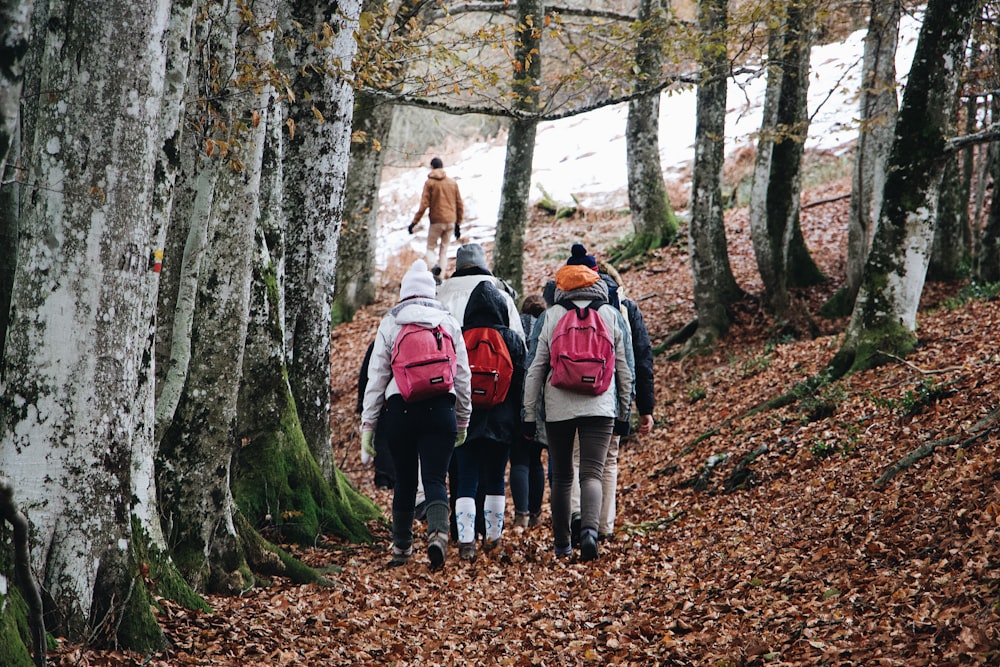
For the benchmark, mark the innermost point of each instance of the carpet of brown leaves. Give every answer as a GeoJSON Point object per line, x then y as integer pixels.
{"type": "Point", "coordinates": [806, 563]}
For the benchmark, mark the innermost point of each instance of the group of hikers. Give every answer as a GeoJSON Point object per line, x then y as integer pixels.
{"type": "Point", "coordinates": [459, 382]}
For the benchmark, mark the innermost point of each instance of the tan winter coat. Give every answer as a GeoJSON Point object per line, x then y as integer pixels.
{"type": "Point", "coordinates": [441, 198]}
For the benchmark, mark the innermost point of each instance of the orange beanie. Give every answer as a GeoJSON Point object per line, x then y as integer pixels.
{"type": "Point", "coordinates": [575, 276]}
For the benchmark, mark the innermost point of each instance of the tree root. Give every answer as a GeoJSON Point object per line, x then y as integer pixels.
{"type": "Point", "coordinates": [985, 426]}
{"type": "Point", "coordinates": [22, 559]}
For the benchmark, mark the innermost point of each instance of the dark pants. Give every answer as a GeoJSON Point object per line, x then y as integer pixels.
{"type": "Point", "coordinates": [527, 476]}
{"type": "Point", "coordinates": [595, 437]}
{"type": "Point", "coordinates": [481, 465]}
{"type": "Point", "coordinates": [423, 431]}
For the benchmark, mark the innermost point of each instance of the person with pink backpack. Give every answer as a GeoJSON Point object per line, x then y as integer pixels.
{"type": "Point", "coordinates": [583, 369]}
{"type": "Point", "coordinates": [419, 372]}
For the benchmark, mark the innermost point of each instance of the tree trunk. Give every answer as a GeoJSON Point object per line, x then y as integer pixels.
{"type": "Point", "coordinates": [276, 480]}
{"type": "Point", "coordinates": [652, 215]}
{"type": "Point", "coordinates": [512, 219]}
{"type": "Point", "coordinates": [884, 317]}
{"type": "Point", "coordinates": [195, 455]}
{"type": "Point", "coordinates": [315, 170]}
{"type": "Point", "coordinates": [356, 250]}
{"type": "Point", "coordinates": [988, 260]}
{"type": "Point", "coordinates": [77, 365]}
{"type": "Point", "coordinates": [714, 285]}
{"type": "Point", "coordinates": [949, 259]}
{"type": "Point", "coordinates": [877, 109]}
{"type": "Point", "coordinates": [782, 258]}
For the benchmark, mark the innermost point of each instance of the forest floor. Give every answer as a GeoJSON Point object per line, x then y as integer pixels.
{"type": "Point", "coordinates": [807, 561]}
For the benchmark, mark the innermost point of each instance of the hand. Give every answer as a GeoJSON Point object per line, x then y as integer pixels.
{"type": "Point", "coordinates": [367, 446]}
{"type": "Point", "coordinates": [528, 430]}
{"type": "Point", "coordinates": [622, 427]}
{"type": "Point", "coordinates": [645, 424]}
{"type": "Point", "coordinates": [460, 437]}
{"type": "Point", "coordinates": [458, 231]}
{"type": "Point", "coordinates": [410, 228]}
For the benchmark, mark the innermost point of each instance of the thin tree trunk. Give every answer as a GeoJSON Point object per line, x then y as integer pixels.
{"type": "Point", "coordinates": [714, 285]}
{"type": "Point", "coordinates": [988, 259]}
{"type": "Point", "coordinates": [884, 317]}
{"type": "Point", "coordinates": [652, 215]}
{"type": "Point", "coordinates": [77, 367]}
{"type": "Point", "coordinates": [194, 476]}
{"type": "Point", "coordinates": [948, 257]}
{"type": "Point", "coordinates": [782, 258]}
{"type": "Point", "coordinates": [877, 108]}
{"type": "Point", "coordinates": [512, 219]}
{"type": "Point", "coordinates": [315, 169]}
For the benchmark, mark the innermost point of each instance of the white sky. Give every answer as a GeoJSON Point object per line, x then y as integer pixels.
{"type": "Point", "coordinates": [585, 155]}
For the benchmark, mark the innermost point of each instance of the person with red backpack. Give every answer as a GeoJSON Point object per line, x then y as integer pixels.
{"type": "Point", "coordinates": [583, 370]}
{"type": "Point", "coordinates": [496, 361]}
{"type": "Point", "coordinates": [419, 372]}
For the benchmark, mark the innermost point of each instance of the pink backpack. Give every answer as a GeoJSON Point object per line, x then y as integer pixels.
{"type": "Point", "coordinates": [423, 362]}
{"type": "Point", "coordinates": [582, 351]}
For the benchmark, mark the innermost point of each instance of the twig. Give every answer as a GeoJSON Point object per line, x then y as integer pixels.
{"type": "Point", "coordinates": [936, 371]}
{"type": "Point", "coordinates": [828, 200]}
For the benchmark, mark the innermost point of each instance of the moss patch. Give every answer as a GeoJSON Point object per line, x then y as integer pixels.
{"type": "Point", "coordinates": [15, 635]}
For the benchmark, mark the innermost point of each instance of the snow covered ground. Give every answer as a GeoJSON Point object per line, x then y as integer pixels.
{"type": "Point", "coordinates": [585, 155]}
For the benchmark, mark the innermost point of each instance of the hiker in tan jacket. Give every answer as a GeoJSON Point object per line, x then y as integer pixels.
{"type": "Point", "coordinates": [443, 201]}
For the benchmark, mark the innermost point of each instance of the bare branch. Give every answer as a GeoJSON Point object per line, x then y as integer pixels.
{"type": "Point", "coordinates": [983, 136]}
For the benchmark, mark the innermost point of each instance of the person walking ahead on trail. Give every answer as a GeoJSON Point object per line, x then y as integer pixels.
{"type": "Point", "coordinates": [443, 202]}
{"type": "Point", "coordinates": [570, 412]}
{"type": "Point", "coordinates": [426, 413]}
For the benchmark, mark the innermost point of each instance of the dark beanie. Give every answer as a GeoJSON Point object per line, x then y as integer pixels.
{"type": "Point", "coordinates": [436, 163]}
{"type": "Point", "coordinates": [578, 255]}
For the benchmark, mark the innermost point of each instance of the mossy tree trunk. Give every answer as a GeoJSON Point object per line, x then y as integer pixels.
{"type": "Point", "coordinates": [884, 317]}
{"type": "Point", "coordinates": [653, 217]}
{"type": "Point", "coordinates": [512, 219]}
{"type": "Point", "coordinates": [193, 475]}
{"type": "Point", "coordinates": [714, 285]}
{"type": "Point", "coordinates": [782, 257]}
{"type": "Point", "coordinates": [76, 411]}
{"type": "Point", "coordinates": [315, 172]}
{"type": "Point", "coordinates": [877, 108]}
{"type": "Point", "coordinates": [949, 257]}
{"type": "Point", "coordinates": [988, 260]}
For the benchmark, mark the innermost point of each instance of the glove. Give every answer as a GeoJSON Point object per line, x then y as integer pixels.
{"type": "Point", "coordinates": [410, 228]}
{"type": "Point", "coordinates": [458, 231]}
{"type": "Point", "coordinates": [460, 437]}
{"type": "Point", "coordinates": [528, 430]}
{"type": "Point", "coordinates": [622, 427]}
{"type": "Point", "coordinates": [367, 446]}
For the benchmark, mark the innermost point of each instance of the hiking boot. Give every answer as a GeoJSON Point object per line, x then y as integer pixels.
{"type": "Point", "coordinates": [574, 529]}
{"type": "Point", "coordinates": [564, 552]}
{"type": "Point", "coordinates": [521, 519]}
{"type": "Point", "coordinates": [588, 546]}
{"type": "Point", "coordinates": [400, 557]}
{"type": "Point", "coordinates": [490, 545]}
{"type": "Point", "coordinates": [467, 551]}
{"type": "Point", "coordinates": [534, 519]}
{"type": "Point", "coordinates": [437, 548]}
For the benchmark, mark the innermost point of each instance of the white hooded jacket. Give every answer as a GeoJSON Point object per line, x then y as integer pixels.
{"type": "Point", "coordinates": [381, 385]}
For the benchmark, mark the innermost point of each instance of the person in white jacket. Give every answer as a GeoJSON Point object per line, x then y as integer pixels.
{"type": "Point", "coordinates": [422, 434]}
{"type": "Point", "coordinates": [569, 414]}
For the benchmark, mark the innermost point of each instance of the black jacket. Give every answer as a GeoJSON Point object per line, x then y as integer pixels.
{"type": "Point", "coordinates": [642, 348]}
{"type": "Point", "coordinates": [488, 308]}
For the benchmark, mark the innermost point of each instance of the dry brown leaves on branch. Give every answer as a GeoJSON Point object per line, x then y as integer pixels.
{"type": "Point", "coordinates": [804, 563]}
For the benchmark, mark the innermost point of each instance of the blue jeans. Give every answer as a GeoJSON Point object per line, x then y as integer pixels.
{"type": "Point", "coordinates": [527, 476]}
{"type": "Point", "coordinates": [482, 463]}
{"type": "Point", "coordinates": [423, 431]}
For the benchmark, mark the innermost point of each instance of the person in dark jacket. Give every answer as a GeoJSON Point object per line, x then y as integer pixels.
{"type": "Point", "coordinates": [527, 474]}
{"type": "Point", "coordinates": [482, 460]}
{"type": "Point", "coordinates": [385, 472]}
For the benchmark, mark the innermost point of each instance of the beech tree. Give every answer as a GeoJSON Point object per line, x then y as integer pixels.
{"type": "Point", "coordinates": [77, 440]}
{"type": "Point", "coordinates": [715, 287]}
{"type": "Point", "coordinates": [653, 217]}
{"type": "Point", "coordinates": [884, 316]}
{"type": "Point", "coordinates": [782, 257]}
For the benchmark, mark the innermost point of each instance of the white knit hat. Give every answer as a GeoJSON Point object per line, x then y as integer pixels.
{"type": "Point", "coordinates": [418, 281]}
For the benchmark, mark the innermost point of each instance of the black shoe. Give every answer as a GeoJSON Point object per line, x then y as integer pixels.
{"type": "Point", "coordinates": [574, 529]}
{"type": "Point", "coordinates": [588, 546]}
{"type": "Point", "coordinates": [420, 511]}
{"type": "Point", "coordinates": [437, 548]}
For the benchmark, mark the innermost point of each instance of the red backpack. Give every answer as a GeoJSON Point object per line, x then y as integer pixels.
{"type": "Point", "coordinates": [582, 351]}
{"type": "Point", "coordinates": [491, 366]}
{"type": "Point", "coordinates": [423, 362]}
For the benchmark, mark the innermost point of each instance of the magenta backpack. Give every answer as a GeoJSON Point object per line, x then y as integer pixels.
{"type": "Point", "coordinates": [423, 362]}
{"type": "Point", "coordinates": [582, 351]}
